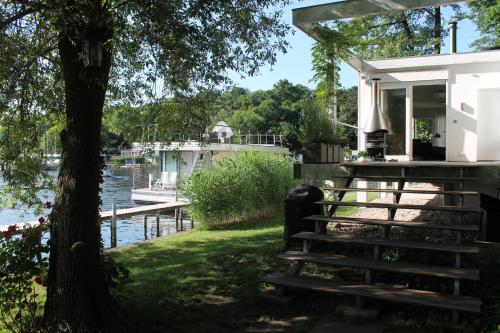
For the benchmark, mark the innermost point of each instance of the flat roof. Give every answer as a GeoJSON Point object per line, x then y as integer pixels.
{"type": "Point", "coordinates": [432, 61]}
{"type": "Point", "coordinates": [307, 18]}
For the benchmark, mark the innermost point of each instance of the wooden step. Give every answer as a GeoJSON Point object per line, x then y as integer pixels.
{"type": "Point", "coordinates": [382, 265]}
{"type": "Point", "coordinates": [467, 209]}
{"type": "Point", "coordinates": [416, 179]}
{"type": "Point", "coordinates": [376, 190]}
{"type": "Point", "coordinates": [388, 293]}
{"type": "Point", "coordinates": [348, 239]}
{"type": "Point", "coordinates": [406, 224]}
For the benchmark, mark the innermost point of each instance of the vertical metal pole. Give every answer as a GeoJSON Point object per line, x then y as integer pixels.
{"type": "Point", "coordinates": [145, 227]}
{"type": "Point", "coordinates": [453, 37]}
{"type": "Point", "coordinates": [158, 224]}
{"type": "Point", "coordinates": [180, 213]}
{"type": "Point", "coordinates": [176, 219]}
{"type": "Point", "coordinates": [113, 225]}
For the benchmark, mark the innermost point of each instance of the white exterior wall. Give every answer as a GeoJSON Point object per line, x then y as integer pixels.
{"type": "Point", "coordinates": [364, 103]}
{"type": "Point", "coordinates": [466, 83]}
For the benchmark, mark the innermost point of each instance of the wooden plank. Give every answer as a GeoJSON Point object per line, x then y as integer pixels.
{"type": "Point", "coordinates": [375, 190]}
{"type": "Point", "coordinates": [140, 210]}
{"type": "Point", "coordinates": [468, 209]}
{"type": "Point", "coordinates": [387, 242]}
{"type": "Point", "coordinates": [381, 265]}
{"type": "Point", "coordinates": [407, 224]}
{"type": "Point", "coordinates": [126, 212]}
{"type": "Point", "coordinates": [397, 294]}
{"type": "Point", "coordinates": [421, 179]}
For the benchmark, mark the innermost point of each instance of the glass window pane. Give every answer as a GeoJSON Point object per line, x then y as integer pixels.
{"type": "Point", "coordinates": [395, 112]}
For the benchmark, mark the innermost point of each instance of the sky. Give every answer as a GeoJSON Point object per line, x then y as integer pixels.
{"type": "Point", "coordinates": [296, 66]}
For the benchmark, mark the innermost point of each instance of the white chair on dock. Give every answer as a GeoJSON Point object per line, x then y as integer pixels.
{"type": "Point", "coordinates": [168, 180]}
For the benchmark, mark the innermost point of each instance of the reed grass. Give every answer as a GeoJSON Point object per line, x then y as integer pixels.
{"type": "Point", "coordinates": [249, 185]}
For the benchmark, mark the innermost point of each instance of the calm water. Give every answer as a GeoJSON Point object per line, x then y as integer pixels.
{"type": "Point", "coordinates": [118, 189]}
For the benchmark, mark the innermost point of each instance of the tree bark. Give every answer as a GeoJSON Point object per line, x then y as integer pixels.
{"type": "Point", "coordinates": [438, 30]}
{"type": "Point", "coordinates": [78, 299]}
{"type": "Point", "coordinates": [408, 32]}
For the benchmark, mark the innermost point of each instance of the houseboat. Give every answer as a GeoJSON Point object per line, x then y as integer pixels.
{"type": "Point", "coordinates": [179, 160]}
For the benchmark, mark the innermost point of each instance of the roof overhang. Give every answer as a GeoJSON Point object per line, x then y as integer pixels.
{"type": "Point", "coordinates": [307, 18]}
{"type": "Point", "coordinates": [429, 62]}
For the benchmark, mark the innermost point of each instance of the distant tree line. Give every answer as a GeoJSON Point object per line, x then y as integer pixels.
{"type": "Point", "coordinates": [274, 111]}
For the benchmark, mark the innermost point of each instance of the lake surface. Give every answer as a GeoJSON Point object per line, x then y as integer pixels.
{"type": "Point", "coordinates": [117, 189]}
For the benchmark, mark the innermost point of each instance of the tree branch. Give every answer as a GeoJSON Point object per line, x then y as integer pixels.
{"type": "Point", "coordinates": [19, 15]}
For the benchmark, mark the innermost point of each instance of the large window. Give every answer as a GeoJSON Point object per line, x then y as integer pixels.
{"type": "Point", "coordinates": [395, 112]}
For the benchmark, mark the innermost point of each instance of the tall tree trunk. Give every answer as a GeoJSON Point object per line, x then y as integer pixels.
{"type": "Point", "coordinates": [438, 30]}
{"type": "Point", "coordinates": [409, 33]}
{"type": "Point", "coordinates": [78, 299]}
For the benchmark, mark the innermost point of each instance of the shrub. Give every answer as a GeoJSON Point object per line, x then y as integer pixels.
{"type": "Point", "coordinates": [246, 186]}
{"type": "Point", "coordinates": [23, 271]}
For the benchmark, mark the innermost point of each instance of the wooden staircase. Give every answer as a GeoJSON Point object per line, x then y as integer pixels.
{"type": "Point", "coordinates": [371, 288]}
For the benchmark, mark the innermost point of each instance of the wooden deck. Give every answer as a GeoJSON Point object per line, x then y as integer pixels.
{"type": "Point", "coordinates": [382, 265]}
{"type": "Point", "coordinates": [418, 179]}
{"type": "Point", "coordinates": [405, 224]}
{"type": "Point", "coordinates": [348, 239]}
{"type": "Point", "coordinates": [457, 180]}
{"type": "Point", "coordinates": [395, 191]}
{"type": "Point", "coordinates": [389, 293]}
{"type": "Point", "coordinates": [126, 212]}
{"type": "Point", "coordinates": [464, 209]}
{"type": "Point", "coordinates": [146, 209]}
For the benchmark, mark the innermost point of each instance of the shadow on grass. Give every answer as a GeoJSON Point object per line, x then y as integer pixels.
{"type": "Point", "coordinates": [206, 281]}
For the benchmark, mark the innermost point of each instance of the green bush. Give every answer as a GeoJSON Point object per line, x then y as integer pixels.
{"type": "Point", "coordinates": [249, 185]}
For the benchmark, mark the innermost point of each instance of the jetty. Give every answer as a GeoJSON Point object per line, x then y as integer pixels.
{"type": "Point", "coordinates": [113, 215]}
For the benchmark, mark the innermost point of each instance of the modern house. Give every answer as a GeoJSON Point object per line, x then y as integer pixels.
{"type": "Point", "coordinates": [457, 97]}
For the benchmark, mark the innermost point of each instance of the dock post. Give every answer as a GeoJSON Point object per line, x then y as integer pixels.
{"type": "Point", "coordinates": [181, 222]}
{"type": "Point", "coordinates": [113, 225]}
{"type": "Point", "coordinates": [158, 224]}
{"type": "Point", "coordinates": [176, 219]}
{"type": "Point", "coordinates": [145, 226]}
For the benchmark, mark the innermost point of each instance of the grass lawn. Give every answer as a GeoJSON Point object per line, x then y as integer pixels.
{"type": "Point", "coordinates": [206, 281]}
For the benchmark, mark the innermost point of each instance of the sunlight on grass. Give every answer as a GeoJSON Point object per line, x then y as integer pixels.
{"type": "Point", "coordinates": [202, 280]}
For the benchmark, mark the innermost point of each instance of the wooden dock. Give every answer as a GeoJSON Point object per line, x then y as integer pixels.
{"type": "Point", "coordinates": [126, 212]}
{"type": "Point", "coordinates": [146, 209]}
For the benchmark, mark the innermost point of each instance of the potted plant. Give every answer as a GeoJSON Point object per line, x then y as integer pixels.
{"type": "Point", "coordinates": [363, 156]}
{"type": "Point", "coordinates": [317, 135]}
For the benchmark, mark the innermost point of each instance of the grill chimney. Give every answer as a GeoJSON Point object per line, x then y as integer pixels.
{"type": "Point", "coordinates": [376, 121]}
{"type": "Point", "coordinates": [453, 37]}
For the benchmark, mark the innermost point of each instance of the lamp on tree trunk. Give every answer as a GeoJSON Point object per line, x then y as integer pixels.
{"type": "Point", "coordinates": [92, 53]}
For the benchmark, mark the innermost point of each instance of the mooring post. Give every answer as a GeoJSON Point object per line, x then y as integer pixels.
{"type": "Point", "coordinates": [113, 225]}
{"type": "Point", "coordinates": [176, 219]}
{"type": "Point", "coordinates": [158, 224]}
{"type": "Point", "coordinates": [145, 226]}
{"type": "Point", "coordinates": [181, 222]}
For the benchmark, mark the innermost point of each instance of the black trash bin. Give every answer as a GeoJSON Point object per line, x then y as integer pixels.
{"type": "Point", "coordinates": [492, 207]}
{"type": "Point", "coordinates": [299, 203]}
